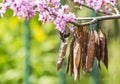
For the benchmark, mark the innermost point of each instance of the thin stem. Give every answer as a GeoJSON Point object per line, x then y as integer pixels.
{"type": "Point", "coordinates": [116, 10]}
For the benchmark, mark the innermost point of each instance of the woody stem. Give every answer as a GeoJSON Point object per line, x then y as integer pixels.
{"type": "Point", "coordinates": [94, 19]}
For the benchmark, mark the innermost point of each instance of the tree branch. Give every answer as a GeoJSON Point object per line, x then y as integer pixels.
{"type": "Point", "coordinates": [94, 19]}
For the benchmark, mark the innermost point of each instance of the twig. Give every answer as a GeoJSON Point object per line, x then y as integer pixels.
{"type": "Point", "coordinates": [114, 7]}
{"type": "Point", "coordinates": [94, 19]}
{"type": "Point", "coordinates": [116, 10]}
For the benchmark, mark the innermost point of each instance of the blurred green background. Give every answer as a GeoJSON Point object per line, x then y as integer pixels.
{"type": "Point", "coordinates": [44, 46]}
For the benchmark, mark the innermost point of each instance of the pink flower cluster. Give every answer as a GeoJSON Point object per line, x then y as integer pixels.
{"type": "Point", "coordinates": [49, 11]}
{"type": "Point", "coordinates": [96, 4]}
{"type": "Point", "coordinates": [21, 8]}
{"type": "Point", "coordinates": [63, 17]}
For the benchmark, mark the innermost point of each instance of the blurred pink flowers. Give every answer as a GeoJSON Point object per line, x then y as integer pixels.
{"type": "Point", "coordinates": [49, 10]}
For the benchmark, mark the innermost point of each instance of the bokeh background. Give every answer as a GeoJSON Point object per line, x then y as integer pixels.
{"type": "Point", "coordinates": [39, 45]}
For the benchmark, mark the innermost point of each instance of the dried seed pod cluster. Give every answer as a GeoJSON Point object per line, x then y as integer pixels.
{"type": "Point", "coordinates": [84, 48]}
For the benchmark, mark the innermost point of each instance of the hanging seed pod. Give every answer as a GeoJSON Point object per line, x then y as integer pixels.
{"type": "Point", "coordinates": [75, 50]}
{"type": "Point", "coordinates": [82, 36]}
{"type": "Point", "coordinates": [84, 49]}
{"type": "Point", "coordinates": [90, 52]}
{"type": "Point", "coordinates": [70, 58]}
{"type": "Point", "coordinates": [76, 60]}
{"type": "Point", "coordinates": [74, 56]}
{"type": "Point", "coordinates": [97, 48]}
{"type": "Point", "coordinates": [106, 54]}
{"type": "Point", "coordinates": [103, 48]}
{"type": "Point", "coordinates": [62, 50]}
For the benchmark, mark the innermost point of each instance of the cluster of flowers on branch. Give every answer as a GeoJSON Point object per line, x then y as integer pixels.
{"type": "Point", "coordinates": [97, 4]}
{"type": "Point", "coordinates": [51, 10]}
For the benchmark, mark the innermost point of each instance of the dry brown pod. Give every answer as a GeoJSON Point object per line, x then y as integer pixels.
{"type": "Point", "coordinates": [70, 58]}
{"type": "Point", "coordinates": [62, 51]}
{"type": "Point", "coordinates": [90, 52]}
{"type": "Point", "coordinates": [103, 48]}
{"type": "Point", "coordinates": [97, 48]}
{"type": "Point", "coordinates": [84, 49]}
{"type": "Point", "coordinates": [76, 60]}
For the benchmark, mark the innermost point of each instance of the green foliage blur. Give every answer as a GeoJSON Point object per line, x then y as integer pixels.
{"type": "Point", "coordinates": [44, 47]}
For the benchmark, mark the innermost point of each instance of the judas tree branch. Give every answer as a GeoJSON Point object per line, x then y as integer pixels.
{"type": "Point", "coordinates": [94, 19]}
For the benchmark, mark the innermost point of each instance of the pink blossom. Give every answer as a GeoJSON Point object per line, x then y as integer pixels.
{"type": "Point", "coordinates": [49, 10]}
{"type": "Point", "coordinates": [96, 4]}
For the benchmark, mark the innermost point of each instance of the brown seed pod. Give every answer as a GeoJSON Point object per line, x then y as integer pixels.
{"type": "Point", "coordinates": [76, 52]}
{"type": "Point", "coordinates": [70, 58]}
{"type": "Point", "coordinates": [62, 51]}
{"type": "Point", "coordinates": [103, 48]}
{"type": "Point", "coordinates": [106, 55]}
{"type": "Point", "coordinates": [82, 36]}
{"type": "Point", "coordinates": [77, 58]}
{"type": "Point", "coordinates": [90, 52]}
{"type": "Point", "coordinates": [97, 48]}
{"type": "Point", "coordinates": [84, 49]}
